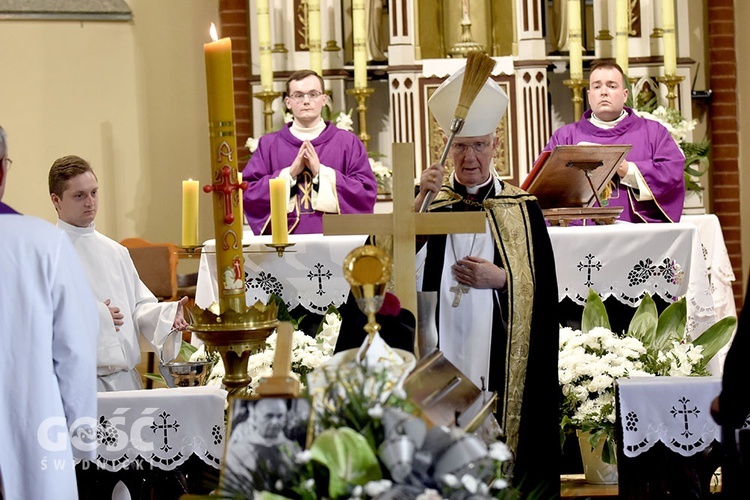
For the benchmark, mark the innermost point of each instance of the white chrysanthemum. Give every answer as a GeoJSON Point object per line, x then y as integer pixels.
{"type": "Point", "coordinates": [470, 483]}
{"type": "Point", "coordinates": [344, 121]}
{"type": "Point", "coordinates": [499, 451]}
{"type": "Point", "coordinates": [375, 488]}
{"type": "Point", "coordinates": [251, 144]}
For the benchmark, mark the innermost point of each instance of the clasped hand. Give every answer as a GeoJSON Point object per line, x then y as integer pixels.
{"type": "Point", "coordinates": [479, 273]}
{"type": "Point", "coordinates": [306, 157]}
{"type": "Point", "coordinates": [430, 181]}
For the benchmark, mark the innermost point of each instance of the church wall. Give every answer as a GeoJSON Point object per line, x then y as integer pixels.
{"type": "Point", "coordinates": [127, 96]}
{"type": "Point", "coordinates": [742, 44]}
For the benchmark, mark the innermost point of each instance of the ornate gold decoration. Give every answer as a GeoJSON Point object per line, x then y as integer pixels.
{"type": "Point", "coordinates": [368, 270]}
{"type": "Point", "coordinates": [267, 96]}
{"type": "Point", "coordinates": [671, 81]}
{"type": "Point", "coordinates": [361, 94]}
{"type": "Point", "coordinates": [577, 86]}
{"type": "Point", "coordinates": [236, 337]}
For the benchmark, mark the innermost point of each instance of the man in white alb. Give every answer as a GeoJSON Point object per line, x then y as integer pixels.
{"type": "Point", "coordinates": [127, 308]}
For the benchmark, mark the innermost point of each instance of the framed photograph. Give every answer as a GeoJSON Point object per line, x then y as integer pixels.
{"type": "Point", "coordinates": [265, 435]}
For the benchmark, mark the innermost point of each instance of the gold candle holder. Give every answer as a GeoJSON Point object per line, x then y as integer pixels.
{"type": "Point", "coordinates": [280, 247]}
{"type": "Point", "coordinates": [331, 46]}
{"type": "Point", "coordinates": [279, 48]}
{"type": "Point", "coordinates": [267, 96]}
{"type": "Point", "coordinates": [671, 81]}
{"type": "Point", "coordinates": [361, 94]}
{"type": "Point", "coordinates": [235, 336]}
{"type": "Point", "coordinates": [465, 42]}
{"type": "Point", "coordinates": [576, 85]}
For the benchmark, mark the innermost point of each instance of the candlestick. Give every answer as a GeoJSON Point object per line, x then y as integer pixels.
{"type": "Point", "coordinates": [190, 213]}
{"type": "Point", "coordinates": [264, 44]}
{"type": "Point", "coordinates": [226, 199]}
{"type": "Point", "coordinates": [575, 41]}
{"type": "Point", "coordinates": [279, 228]}
{"type": "Point", "coordinates": [361, 94]}
{"type": "Point", "coordinates": [314, 36]}
{"type": "Point", "coordinates": [267, 96]}
{"type": "Point", "coordinates": [359, 34]}
{"type": "Point", "coordinates": [671, 82]}
{"type": "Point", "coordinates": [670, 49]}
{"type": "Point", "coordinates": [577, 86]}
{"type": "Point", "coordinates": [622, 33]}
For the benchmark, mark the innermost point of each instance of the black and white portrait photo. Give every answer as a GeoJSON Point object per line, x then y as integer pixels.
{"type": "Point", "coordinates": [265, 435]}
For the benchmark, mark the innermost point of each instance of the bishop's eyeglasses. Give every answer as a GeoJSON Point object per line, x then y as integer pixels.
{"type": "Point", "coordinates": [462, 147]}
{"type": "Point", "coordinates": [300, 96]}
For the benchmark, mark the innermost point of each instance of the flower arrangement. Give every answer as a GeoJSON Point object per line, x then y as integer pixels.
{"type": "Point", "coordinates": [368, 445]}
{"type": "Point", "coordinates": [592, 358]}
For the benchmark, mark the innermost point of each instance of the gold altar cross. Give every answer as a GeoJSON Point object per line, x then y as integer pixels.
{"type": "Point", "coordinates": [404, 224]}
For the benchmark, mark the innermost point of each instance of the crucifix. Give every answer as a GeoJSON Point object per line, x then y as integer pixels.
{"type": "Point", "coordinates": [458, 291]}
{"type": "Point", "coordinates": [404, 224]}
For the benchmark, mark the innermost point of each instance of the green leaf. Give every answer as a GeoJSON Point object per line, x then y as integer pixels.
{"type": "Point", "coordinates": [267, 495]}
{"type": "Point", "coordinates": [671, 324]}
{"type": "Point", "coordinates": [155, 377]}
{"type": "Point", "coordinates": [715, 337]}
{"type": "Point", "coordinates": [644, 322]}
{"type": "Point", "coordinates": [186, 350]}
{"type": "Point", "coordinates": [348, 457]}
{"type": "Point", "coordinates": [594, 313]}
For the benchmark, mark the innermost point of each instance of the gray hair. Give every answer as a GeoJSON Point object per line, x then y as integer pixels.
{"type": "Point", "coordinates": [3, 143]}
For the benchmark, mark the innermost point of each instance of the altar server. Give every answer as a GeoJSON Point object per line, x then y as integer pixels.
{"type": "Point", "coordinates": [326, 168]}
{"type": "Point", "coordinates": [127, 308]}
{"type": "Point", "coordinates": [650, 183]}
{"type": "Point", "coordinates": [497, 290]}
{"type": "Point", "coordinates": [48, 326]}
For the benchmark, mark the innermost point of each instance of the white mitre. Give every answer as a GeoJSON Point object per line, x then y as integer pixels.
{"type": "Point", "coordinates": [484, 114]}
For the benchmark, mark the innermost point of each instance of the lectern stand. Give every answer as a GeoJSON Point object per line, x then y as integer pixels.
{"type": "Point", "coordinates": [569, 180]}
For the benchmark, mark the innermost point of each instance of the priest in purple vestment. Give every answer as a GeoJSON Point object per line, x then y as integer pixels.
{"type": "Point", "coordinates": [650, 184]}
{"type": "Point", "coordinates": [327, 169]}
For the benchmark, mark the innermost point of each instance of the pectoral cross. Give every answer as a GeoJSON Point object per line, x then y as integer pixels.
{"type": "Point", "coordinates": [458, 291]}
{"type": "Point", "coordinates": [404, 224]}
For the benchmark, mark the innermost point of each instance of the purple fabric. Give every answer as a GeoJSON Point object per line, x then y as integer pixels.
{"type": "Point", "coordinates": [338, 149]}
{"type": "Point", "coordinates": [655, 153]}
{"type": "Point", "coordinates": [5, 209]}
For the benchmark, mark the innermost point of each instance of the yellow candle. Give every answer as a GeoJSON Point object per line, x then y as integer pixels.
{"type": "Point", "coordinates": [279, 229]}
{"type": "Point", "coordinates": [226, 196]}
{"type": "Point", "coordinates": [313, 36]}
{"type": "Point", "coordinates": [574, 39]}
{"type": "Point", "coordinates": [670, 49]}
{"type": "Point", "coordinates": [359, 34]}
{"type": "Point", "coordinates": [622, 32]}
{"type": "Point", "coordinates": [264, 44]}
{"type": "Point", "coordinates": [190, 213]}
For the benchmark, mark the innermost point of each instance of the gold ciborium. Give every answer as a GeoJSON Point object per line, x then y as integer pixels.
{"type": "Point", "coordinates": [236, 337]}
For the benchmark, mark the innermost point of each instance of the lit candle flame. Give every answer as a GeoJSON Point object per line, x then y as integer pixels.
{"type": "Point", "coordinates": [214, 35]}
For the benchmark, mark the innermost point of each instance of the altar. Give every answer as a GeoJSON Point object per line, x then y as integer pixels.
{"type": "Point", "coordinates": [625, 260]}
{"type": "Point", "coordinates": [668, 439]}
{"type": "Point", "coordinates": [309, 274]}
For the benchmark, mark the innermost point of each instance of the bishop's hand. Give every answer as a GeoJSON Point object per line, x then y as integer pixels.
{"type": "Point", "coordinates": [430, 181]}
{"type": "Point", "coordinates": [179, 319]}
{"type": "Point", "coordinates": [479, 273]}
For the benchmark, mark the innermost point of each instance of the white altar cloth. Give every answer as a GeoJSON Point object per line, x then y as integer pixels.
{"type": "Point", "coordinates": [163, 427]}
{"type": "Point", "coordinates": [672, 410]}
{"type": "Point", "coordinates": [625, 260]}
{"type": "Point", "coordinates": [310, 273]}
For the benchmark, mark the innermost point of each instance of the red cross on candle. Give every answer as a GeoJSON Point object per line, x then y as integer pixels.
{"type": "Point", "coordinates": [223, 185]}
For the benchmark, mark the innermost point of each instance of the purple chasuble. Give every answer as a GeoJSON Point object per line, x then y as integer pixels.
{"type": "Point", "coordinates": [656, 154]}
{"type": "Point", "coordinates": [341, 150]}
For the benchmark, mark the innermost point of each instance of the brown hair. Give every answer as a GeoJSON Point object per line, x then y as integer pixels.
{"type": "Point", "coordinates": [64, 169]}
{"type": "Point", "coordinates": [607, 65]}
{"type": "Point", "coordinates": [301, 75]}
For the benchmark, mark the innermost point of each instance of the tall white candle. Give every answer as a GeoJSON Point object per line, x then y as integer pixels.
{"type": "Point", "coordinates": [313, 36]}
{"type": "Point", "coordinates": [359, 34]}
{"type": "Point", "coordinates": [670, 49]}
{"type": "Point", "coordinates": [574, 39]}
{"type": "Point", "coordinates": [264, 44]}
{"type": "Point", "coordinates": [622, 32]}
